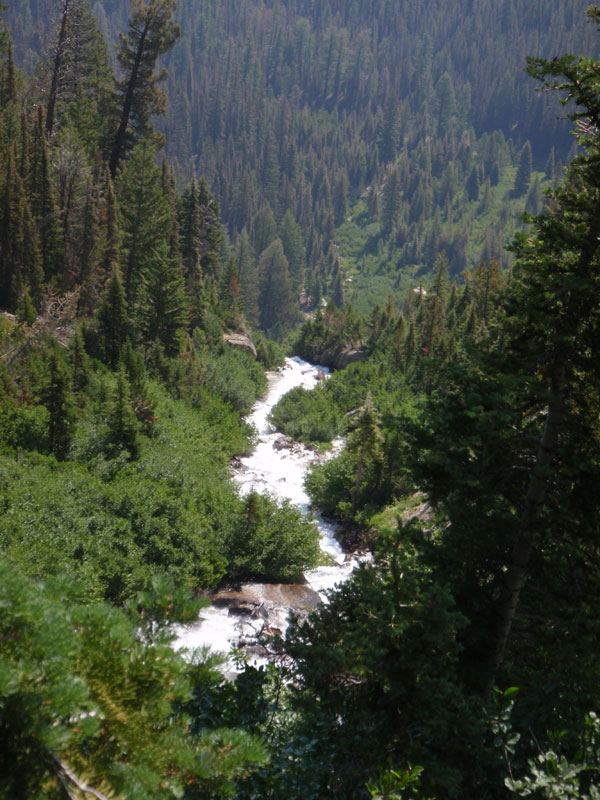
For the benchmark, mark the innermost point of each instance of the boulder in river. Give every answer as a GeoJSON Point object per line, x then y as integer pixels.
{"type": "Point", "coordinates": [283, 443]}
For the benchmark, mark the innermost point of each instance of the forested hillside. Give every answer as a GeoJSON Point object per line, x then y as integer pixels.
{"type": "Point", "coordinates": [150, 219]}
{"type": "Point", "coordinates": [293, 111]}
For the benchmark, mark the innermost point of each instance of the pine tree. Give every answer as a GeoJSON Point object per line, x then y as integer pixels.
{"type": "Point", "coordinates": [122, 423]}
{"type": "Point", "coordinates": [293, 247]}
{"type": "Point", "coordinates": [112, 235]}
{"type": "Point", "coordinates": [271, 170]}
{"type": "Point", "coordinates": [200, 239]}
{"type": "Point", "coordinates": [441, 278]}
{"type": "Point", "coordinates": [113, 323]}
{"type": "Point", "coordinates": [151, 34]}
{"type": "Point", "coordinates": [472, 185]}
{"type": "Point", "coordinates": [264, 229]}
{"type": "Point", "coordinates": [163, 309]}
{"type": "Point", "coordinates": [392, 196]}
{"type": "Point", "coordinates": [248, 278]}
{"type": "Point", "coordinates": [145, 217]}
{"type": "Point", "coordinates": [365, 440]}
{"type": "Point", "coordinates": [277, 308]}
{"type": "Point", "coordinates": [58, 399]}
{"type": "Point", "coordinates": [487, 282]}
{"type": "Point", "coordinates": [230, 298]}
{"type": "Point", "coordinates": [80, 364]}
{"type": "Point", "coordinates": [523, 175]}
{"type": "Point", "coordinates": [43, 202]}
{"type": "Point", "coordinates": [555, 315]}
{"type": "Point", "coordinates": [20, 256]}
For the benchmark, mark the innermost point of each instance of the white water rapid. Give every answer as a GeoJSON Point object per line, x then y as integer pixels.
{"type": "Point", "coordinates": [278, 467]}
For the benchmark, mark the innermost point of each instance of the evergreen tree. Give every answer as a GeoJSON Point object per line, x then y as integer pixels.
{"type": "Point", "coordinates": [523, 175]}
{"type": "Point", "coordinates": [487, 282]}
{"type": "Point", "coordinates": [43, 202]}
{"type": "Point", "coordinates": [163, 309]}
{"type": "Point", "coordinates": [80, 364]}
{"type": "Point", "coordinates": [20, 256]}
{"type": "Point", "coordinates": [77, 75]}
{"type": "Point", "coordinates": [392, 195]}
{"type": "Point", "coordinates": [230, 299]}
{"type": "Point", "coordinates": [113, 323]}
{"type": "Point", "coordinates": [365, 441]}
{"type": "Point", "coordinates": [122, 423]}
{"type": "Point", "coordinates": [264, 229]}
{"type": "Point", "coordinates": [151, 34]}
{"type": "Point", "coordinates": [441, 279]}
{"type": "Point", "coordinates": [200, 238]}
{"type": "Point", "coordinates": [277, 308]}
{"type": "Point", "coordinates": [472, 185]}
{"type": "Point", "coordinates": [145, 217]}
{"type": "Point", "coordinates": [112, 237]}
{"type": "Point", "coordinates": [248, 278]}
{"type": "Point", "coordinates": [293, 247]}
{"type": "Point", "coordinates": [58, 399]}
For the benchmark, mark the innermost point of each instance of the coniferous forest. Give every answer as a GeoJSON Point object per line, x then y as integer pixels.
{"type": "Point", "coordinates": [406, 192]}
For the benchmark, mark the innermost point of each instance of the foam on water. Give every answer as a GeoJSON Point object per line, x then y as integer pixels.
{"type": "Point", "coordinates": [281, 474]}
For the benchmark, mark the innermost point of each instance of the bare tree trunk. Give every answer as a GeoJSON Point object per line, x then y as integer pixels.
{"type": "Point", "coordinates": [58, 58]}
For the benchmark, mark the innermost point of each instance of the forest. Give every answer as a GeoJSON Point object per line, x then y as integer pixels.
{"type": "Point", "coordinates": [375, 185]}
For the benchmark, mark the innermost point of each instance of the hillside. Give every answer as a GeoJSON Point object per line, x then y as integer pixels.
{"type": "Point", "coordinates": [303, 107]}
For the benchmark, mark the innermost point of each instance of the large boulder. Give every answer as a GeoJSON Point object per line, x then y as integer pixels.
{"type": "Point", "coordinates": [338, 359]}
{"type": "Point", "coordinates": [240, 341]}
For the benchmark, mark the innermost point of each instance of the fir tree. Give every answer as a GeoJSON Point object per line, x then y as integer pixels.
{"type": "Point", "coordinates": [277, 308]}
{"type": "Point", "coordinates": [151, 34]}
{"type": "Point", "coordinates": [293, 247]}
{"type": "Point", "coordinates": [523, 175]}
{"type": "Point", "coordinates": [122, 423]}
{"type": "Point", "coordinates": [248, 278]}
{"type": "Point", "coordinates": [58, 399]}
{"type": "Point", "coordinates": [163, 309]}
{"type": "Point", "coordinates": [145, 217]}
{"type": "Point", "coordinates": [113, 323]}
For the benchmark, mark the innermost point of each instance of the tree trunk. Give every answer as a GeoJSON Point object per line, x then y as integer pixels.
{"type": "Point", "coordinates": [60, 46]}
{"type": "Point", "coordinates": [534, 499]}
{"type": "Point", "coordinates": [115, 155]}
{"type": "Point", "coordinates": [523, 547]}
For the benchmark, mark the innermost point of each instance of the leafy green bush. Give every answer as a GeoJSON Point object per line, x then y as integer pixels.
{"type": "Point", "coordinates": [271, 541]}
{"type": "Point", "coordinates": [236, 377]}
{"type": "Point", "coordinates": [308, 416]}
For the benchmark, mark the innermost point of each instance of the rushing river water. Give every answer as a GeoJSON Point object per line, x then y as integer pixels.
{"type": "Point", "coordinates": [238, 619]}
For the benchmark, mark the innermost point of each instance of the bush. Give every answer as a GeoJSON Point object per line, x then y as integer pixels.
{"type": "Point", "coordinates": [309, 416]}
{"type": "Point", "coordinates": [235, 377]}
{"type": "Point", "coordinates": [272, 542]}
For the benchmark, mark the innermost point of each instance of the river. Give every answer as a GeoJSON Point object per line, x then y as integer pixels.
{"type": "Point", "coordinates": [238, 619]}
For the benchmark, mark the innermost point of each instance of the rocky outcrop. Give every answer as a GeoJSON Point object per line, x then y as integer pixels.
{"type": "Point", "coordinates": [263, 609]}
{"type": "Point", "coordinates": [240, 341]}
{"type": "Point", "coordinates": [338, 359]}
{"type": "Point", "coordinates": [257, 599]}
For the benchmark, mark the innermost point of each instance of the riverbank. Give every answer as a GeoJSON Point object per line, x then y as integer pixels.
{"type": "Point", "coordinates": [245, 616]}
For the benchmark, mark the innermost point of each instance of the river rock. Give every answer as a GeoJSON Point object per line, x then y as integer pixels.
{"type": "Point", "coordinates": [283, 443]}
{"type": "Point", "coordinates": [241, 342]}
{"type": "Point", "coordinates": [340, 358]}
